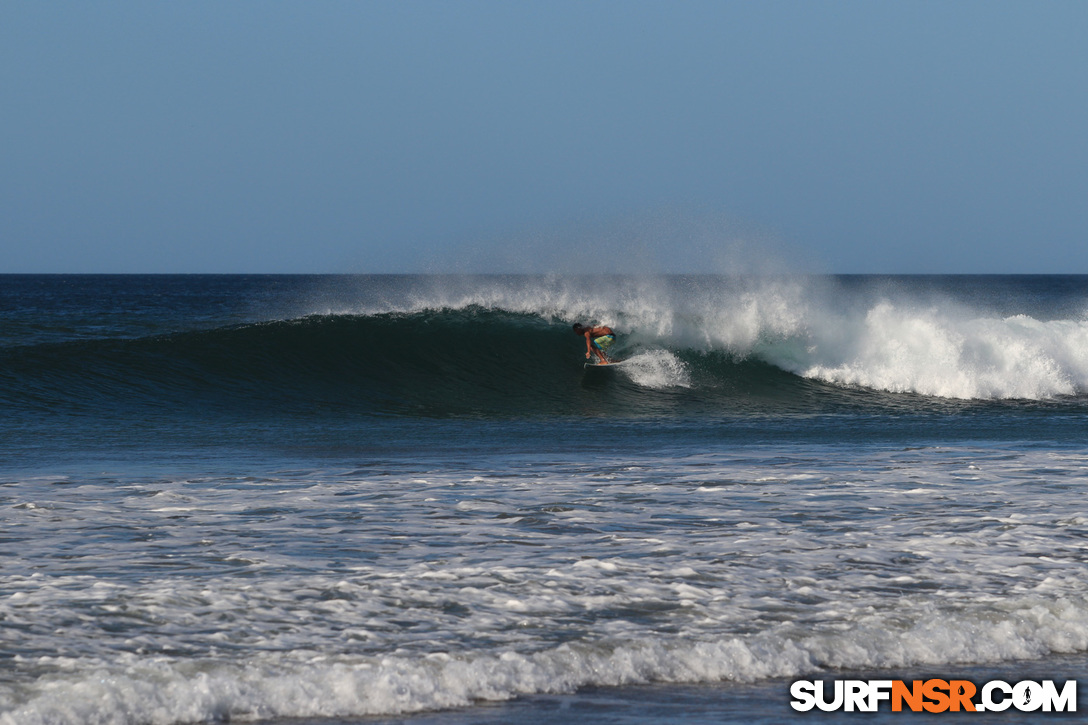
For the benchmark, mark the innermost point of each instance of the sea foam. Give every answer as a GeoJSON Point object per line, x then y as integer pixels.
{"type": "Point", "coordinates": [162, 690]}
{"type": "Point", "coordinates": [353, 593]}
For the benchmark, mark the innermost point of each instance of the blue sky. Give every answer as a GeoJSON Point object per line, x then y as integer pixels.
{"type": "Point", "coordinates": [859, 137]}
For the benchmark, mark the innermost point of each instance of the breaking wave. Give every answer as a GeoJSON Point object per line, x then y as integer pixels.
{"type": "Point", "coordinates": [693, 346]}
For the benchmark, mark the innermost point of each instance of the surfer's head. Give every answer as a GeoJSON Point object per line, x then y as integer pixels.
{"type": "Point", "coordinates": [579, 328]}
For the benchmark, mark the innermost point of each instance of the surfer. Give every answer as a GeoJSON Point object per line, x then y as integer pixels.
{"type": "Point", "coordinates": [598, 339]}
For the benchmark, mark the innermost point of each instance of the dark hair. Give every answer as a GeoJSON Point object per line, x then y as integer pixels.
{"type": "Point", "coordinates": [579, 328]}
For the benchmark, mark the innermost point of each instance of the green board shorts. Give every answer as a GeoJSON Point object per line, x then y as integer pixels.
{"type": "Point", "coordinates": [603, 342]}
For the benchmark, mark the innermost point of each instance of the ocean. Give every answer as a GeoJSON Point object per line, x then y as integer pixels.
{"type": "Point", "coordinates": [405, 499]}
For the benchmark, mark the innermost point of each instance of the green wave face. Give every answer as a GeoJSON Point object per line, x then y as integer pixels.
{"type": "Point", "coordinates": [434, 363]}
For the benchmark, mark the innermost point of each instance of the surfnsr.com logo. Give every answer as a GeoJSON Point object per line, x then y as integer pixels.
{"type": "Point", "coordinates": [934, 696]}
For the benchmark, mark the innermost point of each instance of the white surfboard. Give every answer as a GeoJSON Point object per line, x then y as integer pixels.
{"type": "Point", "coordinates": [612, 364]}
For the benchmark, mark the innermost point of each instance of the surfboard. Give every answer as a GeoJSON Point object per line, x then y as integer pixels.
{"type": "Point", "coordinates": [612, 364]}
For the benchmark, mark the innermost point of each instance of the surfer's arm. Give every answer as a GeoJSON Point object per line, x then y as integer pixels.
{"type": "Point", "coordinates": [589, 349]}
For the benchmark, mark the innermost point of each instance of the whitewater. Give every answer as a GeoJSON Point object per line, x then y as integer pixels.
{"type": "Point", "coordinates": [332, 498]}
